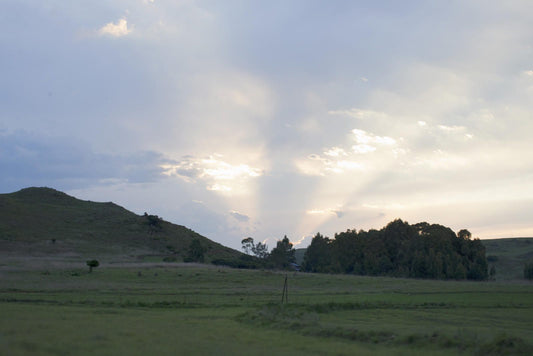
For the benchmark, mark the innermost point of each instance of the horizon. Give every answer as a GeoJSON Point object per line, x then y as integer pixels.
{"type": "Point", "coordinates": [295, 247]}
{"type": "Point", "coordinates": [259, 119]}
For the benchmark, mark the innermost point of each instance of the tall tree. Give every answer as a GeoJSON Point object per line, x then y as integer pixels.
{"type": "Point", "coordinates": [282, 255]}
{"type": "Point", "coordinates": [260, 250]}
{"type": "Point", "coordinates": [247, 245]}
{"type": "Point", "coordinates": [317, 256]}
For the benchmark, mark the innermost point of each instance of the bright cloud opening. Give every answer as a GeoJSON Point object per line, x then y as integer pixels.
{"type": "Point", "coordinates": [217, 174]}
{"type": "Point", "coordinates": [335, 152]}
{"type": "Point", "coordinates": [363, 137]}
{"type": "Point", "coordinates": [363, 148]}
{"type": "Point", "coordinates": [337, 212]}
{"type": "Point", "coordinates": [118, 29]}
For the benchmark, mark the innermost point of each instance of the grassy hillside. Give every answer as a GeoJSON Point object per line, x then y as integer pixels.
{"type": "Point", "coordinates": [43, 222]}
{"type": "Point", "coordinates": [508, 256]}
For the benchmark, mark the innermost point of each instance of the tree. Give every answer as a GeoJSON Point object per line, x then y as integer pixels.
{"type": "Point", "coordinates": [92, 264]}
{"type": "Point", "coordinates": [153, 221]}
{"type": "Point", "coordinates": [260, 250]}
{"type": "Point", "coordinates": [464, 234]}
{"type": "Point", "coordinates": [282, 255]}
{"type": "Point", "coordinates": [317, 256]}
{"type": "Point", "coordinates": [196, 251]}
{"type": "Point", "coordinates": [248, 245]}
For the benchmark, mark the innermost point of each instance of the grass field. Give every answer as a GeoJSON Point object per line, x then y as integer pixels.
{"type": "Point", "coordinates": [205, 310]}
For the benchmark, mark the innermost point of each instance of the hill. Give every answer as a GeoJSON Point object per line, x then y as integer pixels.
{"type": "Point", "coordinates": [508, 256]}
{"type": "Point", "coordinates": [40, 222]}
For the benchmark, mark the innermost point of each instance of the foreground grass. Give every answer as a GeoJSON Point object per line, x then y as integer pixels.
{"type": "Point", "coordinates": [177, 309]}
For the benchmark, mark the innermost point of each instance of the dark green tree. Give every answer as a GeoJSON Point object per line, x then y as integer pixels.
{"type": "Point", "coordinates": [196, 251]}
{"type": "Point", "coordinates": [464, 234]}
{"type": "Point", "coordinates": [92, 264]}
{"type": "Point", "coordinates": [347, 252]}
{"type": "Point", "coordinates": [282, 255]}
{"type": "Point", "coordinates": [422, 251]}
{"type": "Point", "coordinates": [317, 256]}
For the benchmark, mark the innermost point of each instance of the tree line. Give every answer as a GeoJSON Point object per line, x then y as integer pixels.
{"type": "Point", "coordinates": [257, 255]}
{"type": "Point", "coordinates": [402, 250]}
{"type": "Point", "coordinates": [399, 249]}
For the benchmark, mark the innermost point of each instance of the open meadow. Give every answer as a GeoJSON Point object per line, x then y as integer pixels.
{"type": "Point", "coordinates": [157, 308]}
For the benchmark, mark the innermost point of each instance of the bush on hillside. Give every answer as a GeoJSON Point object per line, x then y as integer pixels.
{"type": "Point", "coordinates": [92, 264]}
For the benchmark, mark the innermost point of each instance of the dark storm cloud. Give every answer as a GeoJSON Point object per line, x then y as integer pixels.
{"type": "Point", "coordinates": [33, 160]}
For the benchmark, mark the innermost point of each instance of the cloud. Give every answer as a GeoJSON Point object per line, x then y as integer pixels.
{"type": "Point", "coordinates": [316, 165]}
{"type": "Point", "coordinates": [118, 29]}
{"type": "Point", "coordinates": [337, 212]}
{"type": "Point", "coordinates": [360, 114]}
{"type": "Point", "coordinates": [302, 242]}
{"type": "Point", "coordinates": [239, 217]}
{"type": "Point", "coordinates": [335, 152]}
{"type": "Point", "coordinates": [442, 160]}
{"type": "Point", "coordinates": [363, 137]}
{"type": "Point", "coordinates": [386, 206]}
{"type": "Point", "coordinates": [28, 159]}
{"type": "Point", "coordinates": [363, 148]}
{"type": "Point", "coordinates": [337, 160]}
{"type": "Point", "coordinates": [451, 128]}
{"type": "Point", "coordinates": [217, 174]}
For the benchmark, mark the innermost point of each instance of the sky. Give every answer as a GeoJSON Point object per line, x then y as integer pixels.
{"type": "Point", "coordinates": [272, 118]}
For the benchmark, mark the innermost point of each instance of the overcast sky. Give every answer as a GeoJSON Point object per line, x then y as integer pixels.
{"type": "Point", "coordinates": [272, 118]}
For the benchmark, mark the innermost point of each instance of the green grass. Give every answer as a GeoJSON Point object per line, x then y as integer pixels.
{"type": "Point", "coordinates": [189, 309]}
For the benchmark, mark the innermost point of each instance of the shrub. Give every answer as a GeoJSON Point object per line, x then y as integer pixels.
{"type": "Point", "coordinates": [92, 264]}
